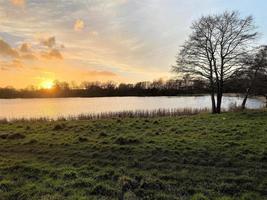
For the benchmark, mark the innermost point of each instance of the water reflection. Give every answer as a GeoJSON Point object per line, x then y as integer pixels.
{"type": "Point", "coordinates": [17, 108]}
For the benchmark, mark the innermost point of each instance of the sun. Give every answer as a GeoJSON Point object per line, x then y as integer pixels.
{"type": "Point", "coordinates": [47, 84]}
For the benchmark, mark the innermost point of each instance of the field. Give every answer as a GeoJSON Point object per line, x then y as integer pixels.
{"type": "Point", "coordinates": [199, 157]}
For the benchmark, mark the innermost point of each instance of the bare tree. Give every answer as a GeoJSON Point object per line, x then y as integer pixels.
{"type": "Point", "coordinates": [215, 50]}
{"type": "Point", "coordinates": [257, 65]}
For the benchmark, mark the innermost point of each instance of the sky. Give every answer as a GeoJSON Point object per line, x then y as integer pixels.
{"type": "Point", "coordinates": [101, 40]}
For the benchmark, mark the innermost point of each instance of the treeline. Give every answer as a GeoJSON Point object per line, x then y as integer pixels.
{"type": "Point", "coordinates": [186, 85]}
{"type": "Point", "coordinates": [183, 86]}
{"type": "Point", "coordinates": [241, 84]}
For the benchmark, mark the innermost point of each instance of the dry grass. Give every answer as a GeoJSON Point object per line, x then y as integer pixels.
{"type": "Point", "coordinates": [109, 115]}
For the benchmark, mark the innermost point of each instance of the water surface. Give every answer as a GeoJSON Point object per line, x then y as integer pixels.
{"type": "Point", "coordinates": [56, 107]}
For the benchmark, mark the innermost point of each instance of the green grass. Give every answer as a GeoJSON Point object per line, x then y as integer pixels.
{"type": "Point", "coordinates": [221, 157]}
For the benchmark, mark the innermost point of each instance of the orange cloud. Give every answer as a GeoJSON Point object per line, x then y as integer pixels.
{"type": "Point", "coordinates": [25, 48]}
{"type": "Point", "coordinates": [79, 25]}
{"type": "Point", "coordinates": [17, 2]}
{"type": "Point", "coordinates": [53, 54]}
{"type": "Point", "coordinates": [49, 42]}
{"type": "Point", "coordinates": [29, 56]}
{"type": "Point", "coordinates": [26, 52]}
{"type": "Point", "coordinates": [7, 50]}
{"type": "Point", "coordinates": [13, 64]}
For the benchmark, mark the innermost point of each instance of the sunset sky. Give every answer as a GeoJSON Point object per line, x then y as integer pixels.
{"type": "Point", "coordinates": [100, 40]}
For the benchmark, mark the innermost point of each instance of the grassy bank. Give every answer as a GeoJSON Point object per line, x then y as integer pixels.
{"type": "Point", "coordinates": [195, 157]}
{"type": "Point", "coordinates": [120, 114]}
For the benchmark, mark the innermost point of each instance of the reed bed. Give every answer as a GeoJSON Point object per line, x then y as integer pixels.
{"type": "Point", "coordinates": [109, 115]}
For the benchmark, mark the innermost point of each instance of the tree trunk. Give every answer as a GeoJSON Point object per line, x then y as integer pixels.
{"type": "Point", "coordinates": [243, 106]}
{"type": "Point", "coordinates": [213, 97]}
{"type": "Point", "coordinates": [219, 102]}
{"type": "Point", "coordinates": [213, 103]}
{"type": "Point", "coordinates": [219, 95]}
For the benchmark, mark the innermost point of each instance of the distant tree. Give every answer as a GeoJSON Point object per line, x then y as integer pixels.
{"type": "Point", "coordinates": [157, 84]}
{"type": "Point", "coordinates": [215, 49]}
{"type": "Point", "coordinates": [142, 85]}
{"type": "Point", "coordinates": [255, 73]}
{"type": "Point", "coordinates": [73, 85]}
{"type": "Point", "coordinates": [173, 84]}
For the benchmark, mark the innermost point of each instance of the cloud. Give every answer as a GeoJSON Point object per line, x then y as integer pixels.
{"type": "Point", "coordinates": [15, 63]}
{"type": "Point", "coordinates": [25, 48]}
{"type": "Point", "coordinates": [79, 25]}
{"type": "Point", "coordinates": [52, 54]}
{"type": "Point", "coordinates": [17, 2]}
{"type": "Point", "coordinates": [7, 50]}
{"type": "Point", "coordinates": [49, 42]}
{"type": "Point", "coordinates": [26, 52]}
{"type": "Point", "coordinates": [29, 56]}
{"type": "Point", "coordinates": [101, 73]}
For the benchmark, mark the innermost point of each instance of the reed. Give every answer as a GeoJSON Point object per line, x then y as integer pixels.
{"type": "Point", "coordinates": [109, 115]}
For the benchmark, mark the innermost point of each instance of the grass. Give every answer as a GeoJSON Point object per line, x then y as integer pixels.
{"type": "Point", "coordinates": [198, 157]}
{"type": "Point", "coordinates": [120, 114]}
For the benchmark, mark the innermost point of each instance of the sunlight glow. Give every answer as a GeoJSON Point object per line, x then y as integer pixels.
{"type": "Point", "coordinates": [47, 84]}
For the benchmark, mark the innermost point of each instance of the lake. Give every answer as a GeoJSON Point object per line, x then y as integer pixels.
{"type": "Point", "coordinates": [56, 107]}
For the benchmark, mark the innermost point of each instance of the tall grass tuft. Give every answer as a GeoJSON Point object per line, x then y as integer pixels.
{"type": "Point", "coordinates": [109, 115]}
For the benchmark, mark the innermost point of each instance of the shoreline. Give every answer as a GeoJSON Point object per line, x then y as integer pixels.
{"type": "Point", "coordinates": [179, 95]}
{"type": "Point", "coordinates": [149, 114]}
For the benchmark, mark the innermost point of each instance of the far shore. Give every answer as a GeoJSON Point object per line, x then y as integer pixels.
{"type": "Point", "coordinates": [178, 95]}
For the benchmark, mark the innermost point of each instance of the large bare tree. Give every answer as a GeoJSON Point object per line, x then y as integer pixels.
{"type": "Point", "coordinates": [215, 50]}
